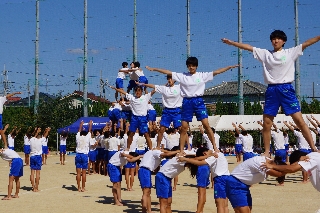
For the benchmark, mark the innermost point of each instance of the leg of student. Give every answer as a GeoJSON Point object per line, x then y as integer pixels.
{"type": "Point", "coordinates": [222, 205]}
{"type": "Point", "coordinates": [37, 181]}
{"type": "Point", "coordinates": [206, 126]}
{"type": "Point", "coordinates": [160, 135]}
{"type": "Point", "coordinates": [149, 142]}
{"type": "Point", "coordinates": [163, 205]}
{"type": "Point", "coordinates": [78, 178]}
{"type": "Point", "coordinates": [226, 208]}
{"type": "Point", "coordinates": [84, 179]}
{"type": "Point", "coordinates": [63, 158]}
{"type": "Point", "coordinates": [266, 133]}
{"type": "Point", "coordinates": [131, 174]}
{"type": "Point", "coordinates": [201, 199]}
{"type": "Point", "coordinates": [298, 120]}
{"type": "Point", "coordinates": [17, 180]}
{"type": "Point", "coordinates": [175, 182]}
{"type": "Point", "coordinates": [169, 205]}
{"type": "Point", "coordinates": [60, 158]}
{"type": "Point", "coordinates": [115, 194]}
{"type": "Point", "coordinates": [130, 139]}
{"type": "Point", "coordinates": [10, 185]}
{"type": "Point", "coordinates": [126, 176]}
{"type": "Point", "coordinates": [146, 200]}
{"type": "Point", "coordinates": [119, 193]}
{"type": "Point", "coordinates": [183, 134]}
{"type": "Point", "coordinates": [244, 209]}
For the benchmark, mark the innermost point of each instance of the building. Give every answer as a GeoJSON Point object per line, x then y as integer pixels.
{"type": "Point", "coordinates": [77, 99]}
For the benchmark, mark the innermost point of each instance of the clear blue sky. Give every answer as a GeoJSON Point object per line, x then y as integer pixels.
{"type": "Point", "coordinates": [161, 39]}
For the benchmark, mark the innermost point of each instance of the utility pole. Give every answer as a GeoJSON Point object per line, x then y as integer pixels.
{"type": "Point", "coordinates": [28, 87]}
{"type": "Point", "coordinates": [36, 61]}
{"type": "Point", "coordinates": [188, 30]}
{"type": "Point", "coordinates": [135, 38]}
{"type": "Point", "coordinates": [240, 73]}
{"type": "Point", "coordinates": [85, 65]}
{"type": "Point", "coordinates": [6, 82]}
{"type": "Point", "coordinates": [297, 62]}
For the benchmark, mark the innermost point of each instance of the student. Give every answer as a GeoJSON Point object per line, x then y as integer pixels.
{"type": "Point", "coordinates": [279, 142]}
{"type": "Point", "coordinates": [139, 72]}
{"type": "Point", "coordinates": [125, 111]}
{"type": "Point", "coordinates": [63, 146]}
{"type": "Point", "coordinates": [139, 106]}
{"type": "Point", "coordinates": [247, 142]}
{"type": "Point", "coordinates": [206, 138]}
{"type": "Point", "coordinates": [278, 71]}
{"type": "Point", "coordinates": [35, 158]}
{"type": "Point", "coordinates": [133, 78]}
{"type": "Point", "coordinates": [238, 146]}
{"type": "Point", "coordinates": [152, 116]}
{"type": "Point", "coordinates": [16, 171]}
{"type": "Point", "coordinates": [171, 139]}
{"type": "Point", "coordinates": [26, 146]}
{"type": "Point", "coordinates": [247, 173]}
{"type": "Point", "coordinates": [45, 150]}
{"type": "Point", "coordinates": [81, 159]}
{"type": "Point", "coordinates": [149, 163]}
{"type": "Point", "coordinates": [118, 160]}
{"type": "Point", "coordinates": [172, 102]}
{"type": "Point", "coordinates": [130, 167]}
{"type": "Point", "coordinates": [218, 165]}
{"type": "Point", "coordinates": [92, 155]}
{"type": "Point", "coordinates": [309, 163]}
{"type": "Point", "coordinates": [12, 136]}
{"type": "Point", "coordinates": [121, 75]}
{"type": "Point", "coordinates": [192, 85]}
{"type": "Point", "coordinates": [100, 151]}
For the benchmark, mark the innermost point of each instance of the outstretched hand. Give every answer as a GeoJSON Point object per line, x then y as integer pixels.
{"type": "Point", "coordinates": [226, 41]}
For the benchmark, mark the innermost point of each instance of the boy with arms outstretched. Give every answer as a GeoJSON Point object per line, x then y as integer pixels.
{"type": "Point", "coordinates": [192, 85]}
{"type": "Point", "coordinates": [278, 70]}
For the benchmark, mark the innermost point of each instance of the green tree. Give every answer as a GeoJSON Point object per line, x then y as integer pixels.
{"type": "Point", "coordinates": [247, 108]}
{"type": "Point", "coordinates": [305, 107]}
{"type": "Point", "coordinates": [257, 108]}
{"type": "Point", "coordinates": [314, 106]}
{"type": "Point", "coordinates": [158, 109]}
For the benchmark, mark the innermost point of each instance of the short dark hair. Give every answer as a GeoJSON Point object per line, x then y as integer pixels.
{"type": "Point", "coordinates": [175, 148]}
{"type": "Point", "coordinates": [213, 130]}
{"type": "Point", "coordinates": [296, 155]}
{"type": "Point", "coordinates": [138, 87]}
{"type": "Point", "coordinates": [278, 161]}
{"type": "Point", "coordinates": [136, 64]}
{"type": "Point", "coordinates": [83, 133]}
{"type": "Point", "coordinates": [278, 34]}
{"type": "Point", "coordinates": [244, 132]}
{"type": "Point", "coordinates": [169, 77]}
{"type": "Point", "coordinates": [124, 64]}
{"type": "Point", "coordinates": [236, 134]}
{"type": "Point", "coordinates": [192, 61]}
{"type": "Point", "coordinates": [201, 150]}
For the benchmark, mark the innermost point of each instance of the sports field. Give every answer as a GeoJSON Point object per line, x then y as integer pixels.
{"type": "Point", "coordinates": [58, 193]}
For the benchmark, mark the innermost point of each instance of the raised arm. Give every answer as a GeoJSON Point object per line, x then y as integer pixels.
{"type": "Point", "coordinates": [201, 130]}
{"type": "Point", "coordinates": [309, 42]}
{"type": "Point", "coordinates": [5, 128]}
{"type": "Point", "coordinates": [241, 127]}
{"type": "Point", "coordinates": [236, 128]}
{"type": "Point", "coordinates": [147, 85]}
{"type": "Point", "coordinates": [118, 90]}
{"type": "Point", "coordinates": [315, 119]}
{"type": "Point", "coordinates": [289, 126]}
{"type": "Point", "coordinates": [163, 71]}
{"type": "Point", "coordinates": [312, 122]}
{"type": "Point", "coordinates": [260, 123]}
{"type": "Point", "coordinates": [90, 126]}
{"type": "Point", "coordinates": [293, 125]}
{"type": "Point", "coordinates": [239, 45]}
{"type": "Point", "coordinates": [12, 131]}
{"type": "Point", "coordinates": [275, 127]}
{"type": "Point", "coordinates": [222, 70]}
{"type": "Point", "coordinates": [12, 94]}
{"type": "Point", "coordinates": [80, 126]}
{"type": "Point", "coordinates": [46, 132]}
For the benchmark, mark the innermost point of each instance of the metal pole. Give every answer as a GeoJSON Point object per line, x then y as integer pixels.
{"type": "Point", "coordinates": [188, 29]}
{"type": "Point", "coordinates": [36, 61]}
{"type": "Point", "coordinates": [85, 65]}
{"type": "Point", "coordinates": [297, 62]}
{"type": "Point", "coordinates": [135, 38]}
{"type": "Point", "coordinates": [240, 80]}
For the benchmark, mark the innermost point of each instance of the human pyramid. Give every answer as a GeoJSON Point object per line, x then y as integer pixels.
{"type": "Point", "coordinates": [167, 150]}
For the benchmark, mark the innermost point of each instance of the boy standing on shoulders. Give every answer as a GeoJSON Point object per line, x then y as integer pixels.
{"type": "Point", "coordinates": [278, 71]}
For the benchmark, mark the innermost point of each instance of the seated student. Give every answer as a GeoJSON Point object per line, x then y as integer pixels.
{"type": "Point", "coordinates": [218, 165]}
{"type": "Point", "coordinates": [119, 159]}
{"type": "Point", "coordinates": [247, 173]}
{"type": "Point", "coordinates": [16, 170]}
{"type": "Point", "coordinates": [300, 160]}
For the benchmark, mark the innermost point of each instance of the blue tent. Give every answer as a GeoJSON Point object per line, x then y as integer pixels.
{"type": "Point", "coordinates": [98, 123]}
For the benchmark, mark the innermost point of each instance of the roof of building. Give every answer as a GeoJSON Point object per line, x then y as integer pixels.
{"type": "Point", "coordinates": [91, 96]}
{"type": "Point", "coordinates": [231, 88]}
{"type": "Point", "coordinates": [14, 101]}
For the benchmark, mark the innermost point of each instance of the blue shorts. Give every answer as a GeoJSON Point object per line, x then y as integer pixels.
{"type": "Point", "coordinates": [171, 115]}
{"type": "Point", "coordinates": [81, 161]}
{"type": "Point", "coordinates": [126, 115]}
{"type": "Point", "coordinates": [119, 83]}
{"type": "Point", "coordinates": [152, 115]}
{"type": "Point", "coordinates": [35, 162]}
{"type": "Point", "coordinates": [163, 186]}
{"type": "Point", "coordinates": [132, 84]}
{"type": "Point", "coordinates": [11, 147]}
{"type": "Point", "coordinates": [308, 151]}
{"type": "Point", "coordinates": [110, 114]}
{"type": "Point", "coordinates": [110, 154]}
{"type": "Point", "coordinates": [193, 105]}
{"type": "Point", "coordinates": [143, 79]}
{"type": "Point", "coordinates": [281, 95]}
{"type": "Point", "coordinates": [139, 122]}
{"type": "Point", "coordinates": [163, 162]}
{"type": "Point", "coordinates": [247, 155]}
{"type": "Point", "coordinates": [282, 153]}
{"type": "Point", "coordinates": [130, 165]}
{"type": "Point", "coordinates": [26, 149]}
{"type": "Point", "coordinates": [141, 151]}
{"type": "Point", "coordinates": [1, 126]}
{"type": "Point", "coordinates": [114, 173]}
{"type": "Point", "coordinates": [100, 154]}
{"type": "Point", "coordinates": [63, 149]}
{"type": "Point", "coordinates": [238, 193]}
{"type": "Point", "coordinates": [286, 147]}
{"type": "Point", "coordinates": [92, 155]}
{"type": "Point", "coordinates": [220, 183]}
{"type": "Point", "coordinates": [45, 150]}
{"type": "Point", "coordinates": [144, 176]}
{"type": "Point", "coordinates": [115, 115]}
{"type": "Point", "coordinates": [238, 148]}
{"type": "Point", "coordinates": [16, 169]}
{"type": "Point", "coordinates": [203, 175]}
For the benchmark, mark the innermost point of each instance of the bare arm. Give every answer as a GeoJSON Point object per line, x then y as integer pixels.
{"type": "Point", "coordinates": [201, 130]}
{"type": "Point", "coordinates": [12, 94]}
{"type": "Point", "coordinates": [118, 90]}
{"type": "Point", "coordinates": [163, 71]}
{"type": "Point", "coordinates": [222, 70]}
{"type": "Point", "coordinates": [147, 85]}
{"type": "Point", "coordinates": [90, 125]}
{"type": "Point", "coordinates": [241, 127]}
{"type": "Point", "coordinates": [259, 122]}
{"type": "Point", "coordinates": [289, 126]}
{"type": "Point", "coordinates": [80, 126]}
{"type": "Point", "coordinates": [46, 133]}
{"type": "Point", "coordinates": [239, 45]}
{"type": "Point", "coordinates": [193, 161]}
{"type": "Point", "coordinates": [235, 128]}
{"type": "Point", "coordinates": [309, 42]}
{"type": "Point", "coordinates": [312, 122]}
{"type": "Point", "coordinates": [315, 119]}
{"type": "Point", "coordinates": [275, 127]}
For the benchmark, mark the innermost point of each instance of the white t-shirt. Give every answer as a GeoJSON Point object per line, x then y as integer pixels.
{"type": "Point", "coordinates": [133, 76]}
{"type": "Point", "coordinates": [171, 97]}
{"type": "Point", "coordinates": [171, 140]}
{"type": "Point", "coordinates": [3, 99]}
{"type": "Point", "coordinates": [117, 160]}
{"type": "Point", "coordinates": [117, 106]}
{"type": "Point", "coordinates": [150, 107]}
{"type": "Point", "coordinates": [45, 142]}
{"type": "Point", "coordinates": [83, 143]}
{"type": "Point", "coordinates": [125, 141]}
{"type": "Point", "coordinates": [151, 159]}
{"type": "Point", "coordinates": [9, 154]}
{"type": "Point", "coordinates": [122, 75]}
{"type": "Point", "coordinates": [10, 141]}
{"type": "Point", "coordinates": [139, 73]}
{"type": "Point", "coordinates": [36, 146]}
{"type": "Point", "coordinates": [278, 139]}
{"type": "Point", "coordinates": [125, 106]}
{"type": "Point", "coordinates": [249, 171]}
{"type": "Point", "coordinates": [238, 139]}
{"type": "Point", "coordinates": [139, 106]}
{"type": "Point", "coordinates": [113, 144]}
{"type": "Point", "coordinates": [26, 140]}
{"type": "Point", "coordinates": [92, 143]}
{"type": "Point", "coordinates": [312, 167]}
{"type": "Point", "coordinates": [286, 139]}
{"type": "Point", "coordinates": [192, 85]}
{"type": "Point", "coordinates": [141, 143]}
{"type": "Point", "coordinates": [63, 140]}
{"type": "Point", "coordinates": [154, 142]}
{"type": "Point", "coordinates": [247, 142]}
{"type": "Point", "coordinates": [163, 141]}
{"type": "Point", "coordinates": [172, 168]}
{"type": "Point", "coordinates": [217, 140]}
{"type": "Point", "coordinates": [278, 67]}
{"type": "Point", "coordinates": [208, 142]}
{"type": "Point", "coordinates": [190, 139]}
{"type": "Point", "coordinates": [303, 144]}
{"type": "Point", "coordinates": [218, 166]}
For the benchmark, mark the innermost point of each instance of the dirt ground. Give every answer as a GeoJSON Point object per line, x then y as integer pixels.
{"type": "Point", "coordinates": [58, 193]}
